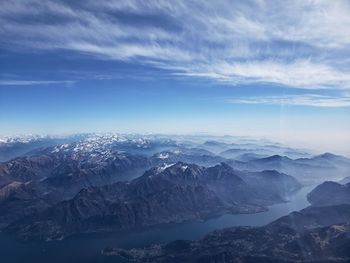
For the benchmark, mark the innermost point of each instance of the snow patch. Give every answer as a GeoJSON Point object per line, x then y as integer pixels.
{"type": "Point", "coordinates": [164, 166]}
{"type": "Point", "coordinates": [163, 155]}
{"type": "Point", "coordinates": [184, 167]}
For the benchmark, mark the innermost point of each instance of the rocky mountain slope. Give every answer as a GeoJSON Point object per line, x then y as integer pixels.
{"type": "Point", "coordinates": [169, 193]}
{"type": "Point", "coordinates": [72, 167]}
{"type": "Point", "coordinates": [330, 193]}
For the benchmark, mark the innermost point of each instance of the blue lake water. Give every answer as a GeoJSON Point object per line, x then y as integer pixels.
{"type": "Point", "coordinates": [87, 248]}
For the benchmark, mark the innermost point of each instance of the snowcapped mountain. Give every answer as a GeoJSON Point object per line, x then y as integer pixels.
{"type": "Point", "coordinates": [168, 193]}
{"type": "Point", "coordinates": [11, 147]}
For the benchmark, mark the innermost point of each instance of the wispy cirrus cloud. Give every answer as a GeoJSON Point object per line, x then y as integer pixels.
{"type": "Point", "coordinates": [303, 74]}
{"type": "Point", "coordinates": [299, 100]}
{"type": "Point", "coordinates": [16, 82]}
{"type": "Point", "coordinates": [299, 44]}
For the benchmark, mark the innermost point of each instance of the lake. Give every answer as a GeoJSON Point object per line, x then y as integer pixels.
{"type": "Point", "coordinates": [87, 248]}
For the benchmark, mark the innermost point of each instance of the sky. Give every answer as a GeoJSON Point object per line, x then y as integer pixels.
{"type": "Point", "coordinates": [273, 69]}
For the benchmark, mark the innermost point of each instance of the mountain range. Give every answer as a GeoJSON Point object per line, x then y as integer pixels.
{"type": "Point", "coordinates": [53, 188]}
{"type": "Point", "coordinates": [170, 193]}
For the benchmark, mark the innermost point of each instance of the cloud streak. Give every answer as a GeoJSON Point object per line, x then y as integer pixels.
{"type": "Point", "coordinates": [303, 74]}
{"type": "Point", "coordinates": [11, 82]}
{"type": "Point", "coordinates": [298, 100]}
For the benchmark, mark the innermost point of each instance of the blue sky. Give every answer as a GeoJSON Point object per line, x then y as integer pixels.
{"type": "Point", "coordinates": [278, 69]}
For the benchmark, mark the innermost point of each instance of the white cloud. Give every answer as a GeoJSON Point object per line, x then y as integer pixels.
{"type": "Point", "coordinates": [299, 74]}
{"type": "Point", "coordinates": [10, 82]}
{"type": "Point", "coordinates": [298, 43]}
{"type": "Point", "coordinates": [300, 100]}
